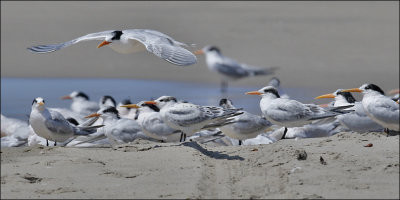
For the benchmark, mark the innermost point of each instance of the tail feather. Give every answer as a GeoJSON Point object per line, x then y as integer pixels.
{"type": "Point", "coordinates": [89, 122]}
{"type": "Point", "coordinates": [340, 109]}
{"type": "Point", "coordinates": [87, 130]}
{"type": "Point", "coordinates": [219, 123]}
{"type": "Point", "coordinates": [264, 71]}
{"type": "Point", "coordinates": [91, 139]}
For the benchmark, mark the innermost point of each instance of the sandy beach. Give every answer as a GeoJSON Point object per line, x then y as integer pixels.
{"type": "Point", "coordinates": [190, 170]}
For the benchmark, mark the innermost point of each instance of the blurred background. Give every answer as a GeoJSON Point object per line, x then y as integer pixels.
{"type": "Point", "coordinates": [319, 46]}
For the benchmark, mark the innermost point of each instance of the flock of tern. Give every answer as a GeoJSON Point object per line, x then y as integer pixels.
{"type": "Point", "coordinates": [169, 119]}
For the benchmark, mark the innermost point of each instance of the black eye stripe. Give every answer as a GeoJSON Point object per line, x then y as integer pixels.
{"type": "Point", "coordinates": [375, 88]}
{"type": "Point", "coordinates": [273, 91]}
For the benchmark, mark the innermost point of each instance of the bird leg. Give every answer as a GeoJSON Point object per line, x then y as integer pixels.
{"type": "Point", "coordinates": [224, 86]}
{"type": "Point", "coordinates": [386, 130]}
{"type": "Point", "coordinates": [184, 137]}
{"type": "Point", "coordinates": [240, 142]}
{"type": "Point", "coordinates": [55, 143]}
{"type": "Point", "coordinates": [284, 133]}
{"type": "Point", "coordinates": [47, 142]}
{"type": "Point", "coordinates": [180, 139]}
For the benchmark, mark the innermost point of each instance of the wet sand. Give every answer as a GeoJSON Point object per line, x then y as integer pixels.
{"type": "Point", "coordinates": [328, 45]}
{"type": "Point", "coordinates": [190, 170]}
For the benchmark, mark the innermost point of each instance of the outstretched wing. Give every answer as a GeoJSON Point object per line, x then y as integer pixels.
{"type": "Point", "coordinates": [163, 46]}
{"type": "Point", "coordinates": [54, 47]}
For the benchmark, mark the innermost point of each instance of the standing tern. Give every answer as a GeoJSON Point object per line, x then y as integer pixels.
{"type": "Point", "coordinates": [127, 112]}
{"type": "Point", "coordinates": [380, 108]}
{"type": "Point", "coordinates": [276, 83]}
{"type": "Point", "coordinates": [107, 100]}
{"type": "Point", "coordinates": [228, 68]}
{"type": "Point", "coordinates": [149, 119]}
{"type": "Point", "coordinates": [191, 118]}
{"type": "Point", "coordinates": [131, 41]}
{"type": "Point", "coordinates": [81, 103]}
{"type": "Point", "coordinates": [358, 120]}
{"type": "Point", "coordinates": [245, 126]}
{"type": "Point", "coordinates": [118, 130]}
{"type": "Point", "coordinates": [51, 125]}
{"type": "Point", "coordinates": [291, 113]}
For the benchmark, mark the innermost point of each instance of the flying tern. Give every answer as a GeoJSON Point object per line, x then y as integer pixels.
{"type": "Point", "coordinates": [131, 41]}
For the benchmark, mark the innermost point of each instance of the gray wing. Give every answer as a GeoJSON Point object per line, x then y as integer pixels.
{"type": "Point", "coordinates": [317, 112]}
{"type": "Point", "coordinates": [54, 47]}
{"type": "Point", "coordinates": [58, 124]}
{"type": "Point", "coordinates": [251, 123]}
{"type": "Point", "coordinates": [163, 46]}
{"type": "Point", "coordinates": [166, 36]}
{"type": "Point", "coordinates": [235, 69]}
{"type": "Point", "coordinates": [126, 130]}
{"type": "Point", "coordinates": [231, 68]}
{"type": "Point", "coordinates": [385, 110]}
{"type": "Point", "coordinates": [156, 125]}
{"type": "Point", "coordinates": [288, 110]}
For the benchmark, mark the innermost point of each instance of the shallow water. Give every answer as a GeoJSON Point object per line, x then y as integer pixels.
{"type": "Point", "coordinates": [17, 94]}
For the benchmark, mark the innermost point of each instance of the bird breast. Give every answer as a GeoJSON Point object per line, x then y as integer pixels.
{"type": "Point", "coordinates": [127, 47]}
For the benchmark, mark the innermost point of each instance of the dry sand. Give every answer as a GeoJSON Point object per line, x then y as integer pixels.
{"type": "Point", "coordinates": [322, 44]}
{"type": "Point", "coordinates": [191, 170]}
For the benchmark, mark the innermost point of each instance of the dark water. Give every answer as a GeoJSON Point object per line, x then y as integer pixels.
{"type": "Point", "coordinates": [17, 94]}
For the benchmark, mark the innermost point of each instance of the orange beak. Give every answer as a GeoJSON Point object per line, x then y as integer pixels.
{"type": "Point", "coordinates": [352, 90]}
{"type": "Point", "coordinates": [103, 43]}
{"type": "Point", "coordinates": [130, 106]}
{"type": "Point", "coordinates": [199, 52]}
{"type": "Point", "coordinates": [41, 103]}
{"type": "Point", "coordinates": [66, 97]}
{"type": "Point", "coordinates": [150, 102]}
{"type": "Point", "coordinates": [254, 93]}
{"type": "Point", "coordinates": [395, 91]}
{"type": "Point", "coordinates": [93, 115]}
{"type": "Point", "coordinates": [325, 96]}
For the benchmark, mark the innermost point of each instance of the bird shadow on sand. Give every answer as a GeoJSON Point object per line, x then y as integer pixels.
{"type": "Point", "coordinates": [211, 154]}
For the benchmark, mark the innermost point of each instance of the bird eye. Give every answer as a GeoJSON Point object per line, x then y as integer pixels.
{"type": "Point", "coordinates": [161, 100]}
